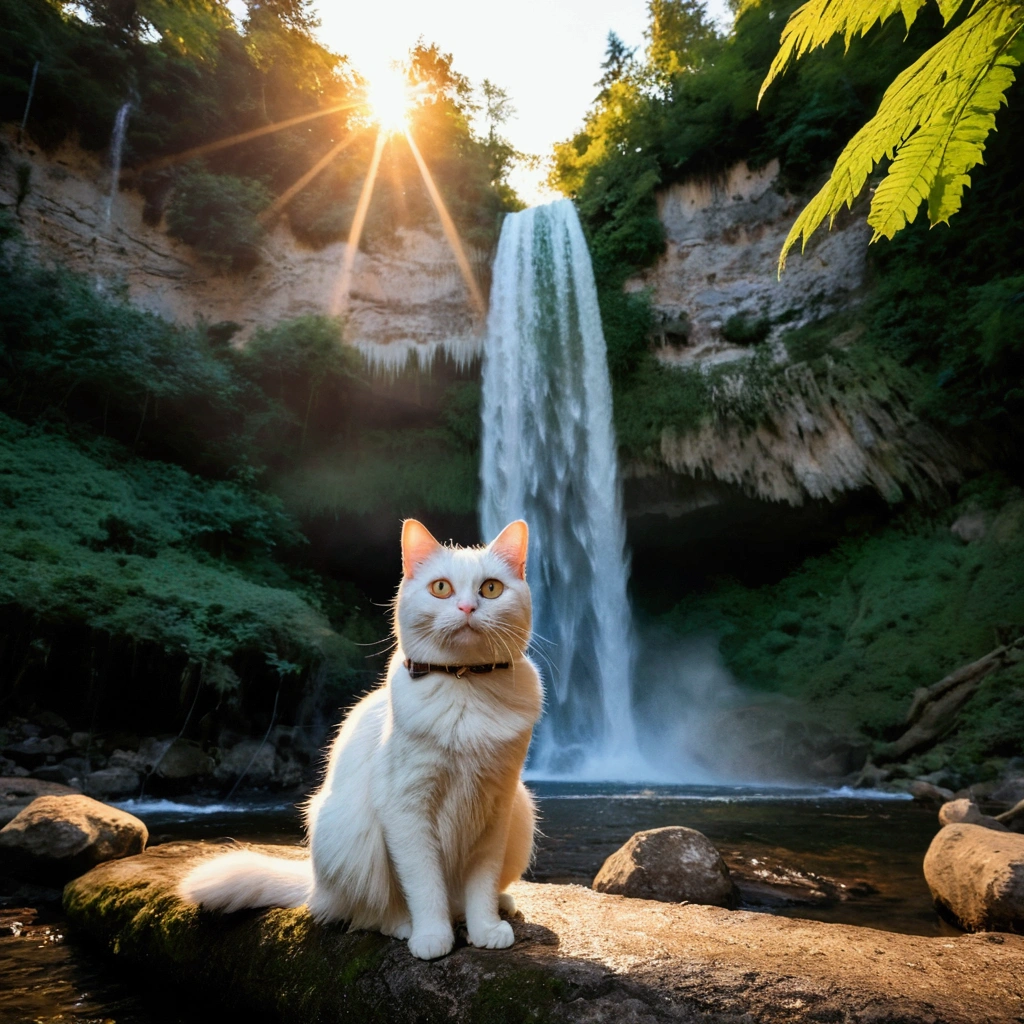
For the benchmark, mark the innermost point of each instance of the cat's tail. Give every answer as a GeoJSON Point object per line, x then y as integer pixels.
{"type": "Point", "coordinates": [246, 879]}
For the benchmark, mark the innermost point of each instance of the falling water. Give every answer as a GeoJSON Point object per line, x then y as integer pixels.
{"type": "Point", "coordinates": [116, 149]}
{"type": "Point", "coordinates": [549, 456]}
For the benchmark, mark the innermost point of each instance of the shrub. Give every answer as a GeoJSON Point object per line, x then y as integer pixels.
{"type": "Point", "coordinates": [217, 215]}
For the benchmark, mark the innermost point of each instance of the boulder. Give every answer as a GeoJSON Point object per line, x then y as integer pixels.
{"type": "Point", "coordinates": [112, 782]}
{"type": "Point", "coordinates": [58, 837]}
{"type": "Point", "coordinates": [10, 770]}
{"type": "Point", "coordinates": [63, 773]}
{"type": "Point", "coordinates": [976, 877]}
{"type": "Point", "coordinates": [964, 811]}
{"type": "Point", "coordinates": [35, 751]}
{"type": "Point", "coordinates": [925, 792]}
{"type": "Point", "coordinates": [127, 759]}
{"type": "Point", "coordinates": [261, 770]}
{"type": "Point", "coordinates": [16, 793]}
{"type": "Point", "coordinates": [176, 764]}
{"type": "Point", "coordinates": [673, 864]}
{"type": "Point", "coordinates": [579, 956]}
{"type": "Point", "coordinates": [1010, 791]}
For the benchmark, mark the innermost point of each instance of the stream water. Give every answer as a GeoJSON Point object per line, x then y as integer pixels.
{"type": "Point", "coordinates": [832, 856]}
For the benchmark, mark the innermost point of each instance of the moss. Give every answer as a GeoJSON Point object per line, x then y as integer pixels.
{"type": "Point", "coordinates": [521, 995]}
{"type": "Point", "coordinates": [282, 961]}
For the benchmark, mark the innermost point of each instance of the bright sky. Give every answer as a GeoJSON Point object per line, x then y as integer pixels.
{"type": "Point", "coordinates": [545, 53]}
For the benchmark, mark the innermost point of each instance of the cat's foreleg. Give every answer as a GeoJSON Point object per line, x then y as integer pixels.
{"type": "Point", "coordinates": [486, 929]}
{"type": "Point", "coordinates": [417, 863]}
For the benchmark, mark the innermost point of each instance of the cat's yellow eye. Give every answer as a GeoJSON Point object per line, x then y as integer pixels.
{"type": "Point", "coordinates": [441, 588]}
{"type": "Point", "coordinates": [491, 588]}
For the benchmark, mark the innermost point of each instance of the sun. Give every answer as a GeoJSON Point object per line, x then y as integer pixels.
{"type": "Point", "coordinates": [390, 100]}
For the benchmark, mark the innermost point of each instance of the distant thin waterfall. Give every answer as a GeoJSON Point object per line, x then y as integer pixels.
{"type": "Point", "coordinates": [116, 151]}
{"type": "Point", "coordinates": [549, 457]}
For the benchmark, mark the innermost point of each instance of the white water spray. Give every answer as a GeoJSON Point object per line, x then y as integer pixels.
{"type": "Point", "coordinates": [116, 150]}
{"type": "Point", "coordinates": [549, 457]}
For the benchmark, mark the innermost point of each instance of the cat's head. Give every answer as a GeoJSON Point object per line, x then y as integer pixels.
{"type": "Point", "coordinates": [463, 606]}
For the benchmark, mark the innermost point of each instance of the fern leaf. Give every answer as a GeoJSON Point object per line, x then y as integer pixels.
{"type": "Point", "coordinates": [817, 21]}
{"type": "Point", "coordinates": [932, 123]}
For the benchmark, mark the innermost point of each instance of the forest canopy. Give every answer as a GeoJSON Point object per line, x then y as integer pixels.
{"type": "Point", "coordinates": [194, 75]}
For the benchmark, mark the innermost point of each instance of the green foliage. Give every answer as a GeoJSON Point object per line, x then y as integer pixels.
{"type": "Point", "coordinates": [142, 549]}
{"type": "Point", "coordinates": [932, 122]}
{"type": "Point", "coordinates": [66, 350]}
{"type": "Point", "coordinates": [217, 214]}
{"type": "Point", "coordinates": [853, 632]}
{"type": "Point", "coordinates": [743, 330]}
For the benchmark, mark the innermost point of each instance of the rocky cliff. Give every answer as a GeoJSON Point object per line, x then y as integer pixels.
{"type": "Point", "coordinates": [723, 238]}
{"type": "Point", "coordinates": [406, 297]}
{"type": "Point", "coordinates": [778, 431]}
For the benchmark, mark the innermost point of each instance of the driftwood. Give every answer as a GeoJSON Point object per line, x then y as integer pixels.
{"type": "Point", "coordinates": [1014, 817]}
{"type": "Point", "coordinates": [935, 707]}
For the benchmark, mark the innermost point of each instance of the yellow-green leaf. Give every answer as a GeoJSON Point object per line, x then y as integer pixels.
{"type": "Point", "coordinates": [931, 123]}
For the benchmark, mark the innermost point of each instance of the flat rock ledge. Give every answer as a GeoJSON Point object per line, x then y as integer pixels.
{"type": "Point", "coordinates": [580, 956]}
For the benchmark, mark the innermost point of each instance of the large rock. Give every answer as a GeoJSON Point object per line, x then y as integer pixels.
{"type": "Point", "coordinates": [59, 837]}
{"type": "Point", "coordinates": [673, 864]}
{"type": "Point", "coordinates": [112, 782]}
{"type": "Point", "coordinates": [580, 956]}
{"type": "Point", "coordinates": [34, 751]}
{"type": "Point", "coordinates": [175, 764]}
{"type": "Point", "coordinates": [976, 876]}
{"type": "Point", "coordinates": [967, 812]}
{"type": "Point", "coordinates": [16, 793]}
{"type": "Point", "coordinates": [252, 761]}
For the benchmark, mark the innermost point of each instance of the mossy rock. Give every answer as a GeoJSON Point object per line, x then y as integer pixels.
{"type": "Point", "coordinates": [579, 956]}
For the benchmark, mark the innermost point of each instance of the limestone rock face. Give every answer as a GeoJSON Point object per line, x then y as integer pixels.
{"type": "Point", "coordinates": [976, 875]}
{"type": "Point", "coordinates": [59, 837]}
{"type": "Point", "coordinates": [673, 864]}
{"type": "Point", "coordinates": [723, 238]}
{"type": "Point", "coordinates": [406, 296]}
{"type": "Point", "coordinates": [580, 957]}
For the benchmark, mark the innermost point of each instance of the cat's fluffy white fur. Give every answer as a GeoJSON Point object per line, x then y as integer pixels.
{"type": "Point", "coordinates": [422, 818]}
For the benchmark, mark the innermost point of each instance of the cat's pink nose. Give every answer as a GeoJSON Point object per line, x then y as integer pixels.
{"type": "Point", "coordinates": [467, 607]}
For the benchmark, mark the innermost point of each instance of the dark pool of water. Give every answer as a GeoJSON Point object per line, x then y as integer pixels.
{"type": "Point", "coordinates": [832, 857]}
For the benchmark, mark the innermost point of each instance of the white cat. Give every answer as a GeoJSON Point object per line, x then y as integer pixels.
{"type": "Point", "coordinates": [422, 818]}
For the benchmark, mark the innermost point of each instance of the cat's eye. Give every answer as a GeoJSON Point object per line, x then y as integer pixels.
{"type": "Point", "coordinates": [491, 588]}
{"type": "Point", "coordinates": [441, 588]}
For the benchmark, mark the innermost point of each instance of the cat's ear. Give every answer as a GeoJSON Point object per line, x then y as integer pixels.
{"type": "Point", "coordinates": [418, 544]}
{"type": "Point", "coordinates": [511, 545]}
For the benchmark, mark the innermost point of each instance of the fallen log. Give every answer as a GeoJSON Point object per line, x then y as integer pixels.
{"type": "Point", "coordinates": [934, 708]}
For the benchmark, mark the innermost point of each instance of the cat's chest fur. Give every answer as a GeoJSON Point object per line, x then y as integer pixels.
{"type": "Point", "coordinates": [471, 719]}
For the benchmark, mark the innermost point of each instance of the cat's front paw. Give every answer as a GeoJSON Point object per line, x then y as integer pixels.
{"type": "Point", "coordinates": [495, 936]}
{"type": "Point", "coordinates": [507, 903]}
{"type": "Point", "coordinates": [430, 945]}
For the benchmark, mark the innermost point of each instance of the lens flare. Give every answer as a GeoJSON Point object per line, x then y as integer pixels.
{"type": "Point", "coordinates": [390, 100]}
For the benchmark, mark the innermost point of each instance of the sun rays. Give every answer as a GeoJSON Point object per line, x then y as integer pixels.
{"type": "Point", "coordinates": [388, 105]}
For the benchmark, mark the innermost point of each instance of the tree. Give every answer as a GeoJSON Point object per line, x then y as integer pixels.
{"type": "Point", "coordinates": [678, 29]}
{"type": "Point", "coordinates": [933, 120]}
{"type": "Point", "coordinates": [617, 59]}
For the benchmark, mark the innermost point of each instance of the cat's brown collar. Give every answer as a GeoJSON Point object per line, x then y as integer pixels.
{"type": "Point", "coordinates": [419, 669]}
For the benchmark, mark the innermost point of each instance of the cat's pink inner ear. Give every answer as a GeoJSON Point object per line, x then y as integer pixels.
{"type": "Point", "coordinates": [511, 545]}
{"type": "Point", "coordinates": [418, 544]}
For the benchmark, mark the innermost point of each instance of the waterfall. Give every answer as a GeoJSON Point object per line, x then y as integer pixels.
{"type": "Point", "coordinates": [116, 149]}
{"type": "Point", "coordinates": [549, 457]}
